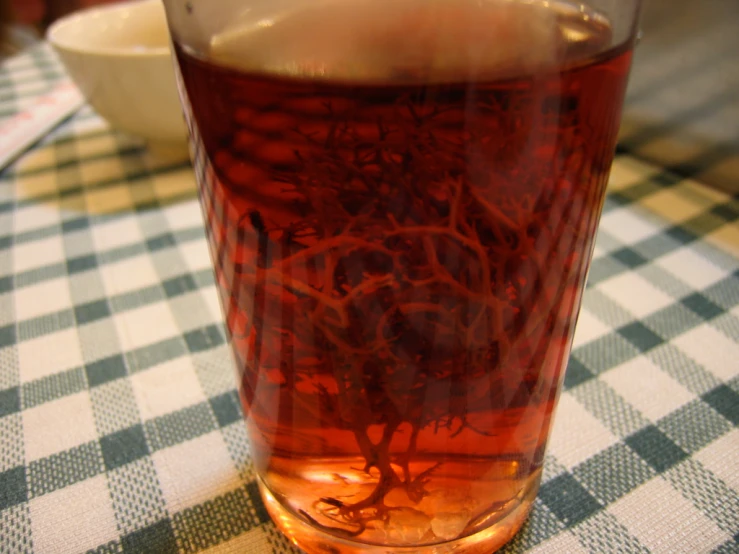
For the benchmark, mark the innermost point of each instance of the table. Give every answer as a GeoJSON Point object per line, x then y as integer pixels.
{"type": "Point", "coordinates": [121, 431]}
{"type": "Point", "coordinates": [683, 106]}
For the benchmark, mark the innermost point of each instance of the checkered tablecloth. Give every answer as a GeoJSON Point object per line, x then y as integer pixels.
{"type": "Point", "coordinates": [121, 431]}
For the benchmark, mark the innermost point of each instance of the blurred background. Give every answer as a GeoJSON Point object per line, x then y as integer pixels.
{"type": "Point", "coordinates": [682, 108]}
{"type": "Point", "coordinates": [23, 22]}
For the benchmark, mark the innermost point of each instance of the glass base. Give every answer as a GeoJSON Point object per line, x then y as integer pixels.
{"type": "Point", "coordinates": [316, 541]}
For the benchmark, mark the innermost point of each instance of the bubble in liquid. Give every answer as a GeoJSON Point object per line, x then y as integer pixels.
{"type": "Point", "coordinates": [407, 526]}
{"type": "Point", "coordinates": [449, 525]}
{"type": "Point", "coordinates": [447, 500]}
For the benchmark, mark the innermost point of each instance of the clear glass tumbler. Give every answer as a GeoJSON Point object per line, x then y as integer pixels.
{"type": "Point", "coordinates": [400, 198]}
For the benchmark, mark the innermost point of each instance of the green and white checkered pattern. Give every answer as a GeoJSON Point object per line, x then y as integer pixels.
{"type": "Point", "coordinates": [121, 431]}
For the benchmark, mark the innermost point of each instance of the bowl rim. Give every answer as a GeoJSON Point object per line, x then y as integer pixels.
{"type": "Point", "coordinates": [52, 34]}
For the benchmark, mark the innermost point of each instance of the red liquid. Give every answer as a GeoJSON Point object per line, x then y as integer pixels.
{"type": "Point", "coordinates": [400, 249]}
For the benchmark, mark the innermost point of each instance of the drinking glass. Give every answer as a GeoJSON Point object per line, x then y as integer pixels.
{"type": "Point", "coordinates": [400, 199]}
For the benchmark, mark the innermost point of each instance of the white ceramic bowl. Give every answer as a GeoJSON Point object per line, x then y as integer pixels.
{"type": "Point", "coordinates": [119, 57]}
